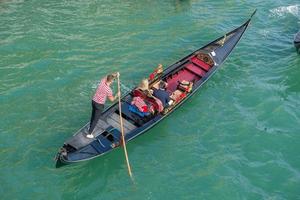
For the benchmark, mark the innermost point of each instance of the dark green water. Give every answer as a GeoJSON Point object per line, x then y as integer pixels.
{"type": "Point", "coordinates": [237, 138]}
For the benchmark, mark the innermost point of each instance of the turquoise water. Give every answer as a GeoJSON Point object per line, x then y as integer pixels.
{"type": "Point", "coordinates": [237, 138]}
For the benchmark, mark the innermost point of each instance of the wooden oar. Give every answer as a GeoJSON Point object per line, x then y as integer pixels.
{"type": "Point", "coordinates": [122, 129]}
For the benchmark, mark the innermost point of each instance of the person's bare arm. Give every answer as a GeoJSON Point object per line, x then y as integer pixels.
{"type": "Point", "coordinates": [113, 98]}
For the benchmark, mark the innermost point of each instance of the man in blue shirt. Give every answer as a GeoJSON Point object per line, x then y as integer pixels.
{"type": "Point", "coordinates": [162, 94]}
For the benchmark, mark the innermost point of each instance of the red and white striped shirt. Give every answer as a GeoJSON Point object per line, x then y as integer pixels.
{"type": "Point", "coordinates": [103, 91]}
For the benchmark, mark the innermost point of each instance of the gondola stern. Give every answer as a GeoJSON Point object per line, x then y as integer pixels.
{"type": "Point", "coordinates": [60, 158]}
{"type": "Point", "coordinates": [59, 163]}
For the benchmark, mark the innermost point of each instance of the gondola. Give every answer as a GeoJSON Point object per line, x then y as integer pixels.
{"type": "Point", "coordinates": [183, 79]}
{"type": "Point", "coordinates": [297, 41]}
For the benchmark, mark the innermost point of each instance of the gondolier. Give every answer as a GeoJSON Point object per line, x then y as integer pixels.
{"type": "Point", "coordinates": [102, 93]}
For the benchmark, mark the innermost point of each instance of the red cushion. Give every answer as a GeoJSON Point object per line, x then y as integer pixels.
{"type": "Point", "coordinates": [139, 93]}
{"type": "Point", "coordinates": [197, 70]}
{"type": "Point", "coordinates": [200, 63]}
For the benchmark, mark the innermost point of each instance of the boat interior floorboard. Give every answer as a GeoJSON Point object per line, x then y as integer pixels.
{"type": "Point", "coordinates": [181, 75]}
{"type": "Point", "coordinates": [80, 140]}
{"type": "Point", "coordinates": [114, 121]}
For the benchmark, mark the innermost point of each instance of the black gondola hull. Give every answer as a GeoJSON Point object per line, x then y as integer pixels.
{"type": "Point", "coordinates": [198, 67]}
{"type": "Point", "coordinates": [297, 45]}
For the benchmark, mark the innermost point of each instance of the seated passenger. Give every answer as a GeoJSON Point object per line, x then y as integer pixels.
{"type": "Point", "coordinates": [163, 95]}
{"type": "Point", "coordinates": [145, 93]}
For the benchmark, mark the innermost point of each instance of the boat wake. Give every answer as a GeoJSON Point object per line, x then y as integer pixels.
{"type": "Point", "coordinates": [282, 11]}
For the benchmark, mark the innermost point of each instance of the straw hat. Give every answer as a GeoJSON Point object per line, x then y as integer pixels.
{"type": "Point", "coordinates": [144, 85]}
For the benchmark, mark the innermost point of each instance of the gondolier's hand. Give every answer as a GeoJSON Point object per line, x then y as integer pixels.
{"type": "Point", "coordinates": [117, 95]}
{"type": "Point", "coordinates": [116, 74]}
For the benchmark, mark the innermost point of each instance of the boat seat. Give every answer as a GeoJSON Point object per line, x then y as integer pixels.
{"type": "Point", "coordinates": [200, 63]}
{"type": "Point", "coordinates": [195, 69]}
